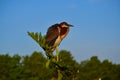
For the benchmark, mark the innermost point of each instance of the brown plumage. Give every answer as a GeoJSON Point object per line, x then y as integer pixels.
{"type": "Point", "coordinates": [56, 33]}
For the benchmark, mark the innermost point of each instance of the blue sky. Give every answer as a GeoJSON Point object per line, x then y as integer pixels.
{"type": "Point", "coordinates": [96, 31]}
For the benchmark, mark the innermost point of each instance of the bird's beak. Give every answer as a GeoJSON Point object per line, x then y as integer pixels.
{"type": "Point", "coordinates": [71, 25]}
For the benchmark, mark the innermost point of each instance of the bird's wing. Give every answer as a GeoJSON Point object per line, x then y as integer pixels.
{"type": "Point", "coordinates": [52, 34]}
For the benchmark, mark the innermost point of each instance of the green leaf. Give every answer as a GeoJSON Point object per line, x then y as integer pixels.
{"type": "Point", "coordinates": [36, 36]}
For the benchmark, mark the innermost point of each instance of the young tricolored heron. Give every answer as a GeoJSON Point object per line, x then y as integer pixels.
{"type": "Point", "coordinates": [55, 34]}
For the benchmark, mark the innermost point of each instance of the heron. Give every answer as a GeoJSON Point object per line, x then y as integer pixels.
{"type": "Point", "coordinates": [55, 34]}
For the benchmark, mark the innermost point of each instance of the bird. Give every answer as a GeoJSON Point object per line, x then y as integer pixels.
{"type": "Point", "coordinates": [56, 33]}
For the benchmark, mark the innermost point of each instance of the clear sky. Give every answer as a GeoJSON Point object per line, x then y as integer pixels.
{"type": "Point", "coordinates": [96, 31]}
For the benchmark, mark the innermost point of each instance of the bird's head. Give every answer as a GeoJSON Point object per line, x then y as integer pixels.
{"type": "Point", "coordinates": [65, 24]}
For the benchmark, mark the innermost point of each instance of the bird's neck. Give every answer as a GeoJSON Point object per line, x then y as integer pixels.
{"type": "Point", "coordinates": [64, 31]}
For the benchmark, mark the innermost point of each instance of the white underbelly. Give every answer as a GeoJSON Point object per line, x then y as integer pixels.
{"type": "Point", "coordinates": [57, 42]}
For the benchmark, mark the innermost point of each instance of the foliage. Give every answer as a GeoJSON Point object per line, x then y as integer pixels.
{"type": "Point", "coordinates": [53, 61]}
{"type": "Point", "coordinates": [37, 37]}
{"type": "Point", "coordinates": [33, 67]}
{"type": "Point", "coordinates": [95, 69]}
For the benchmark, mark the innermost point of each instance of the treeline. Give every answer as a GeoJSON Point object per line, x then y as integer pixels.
{"type": "Point", "coordinates": [33, 67]}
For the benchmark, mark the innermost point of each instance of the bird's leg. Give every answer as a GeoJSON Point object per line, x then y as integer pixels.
{"type": "Point", "coordinates": [58, 70]}
{"type": "Point", "coordinates": [57, 55]}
